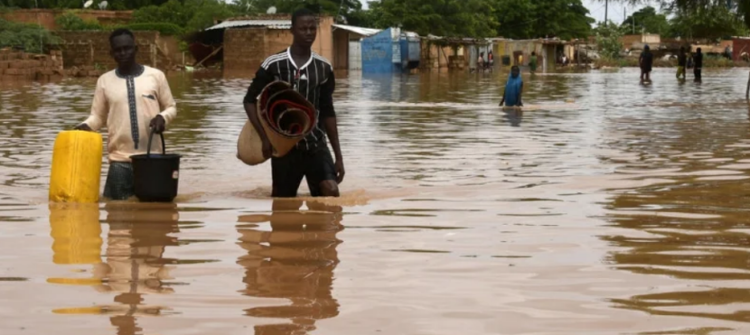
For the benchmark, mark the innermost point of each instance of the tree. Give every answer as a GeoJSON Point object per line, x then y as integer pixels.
{"type": "Point", "coordinates": [709, 23]}
{"type": "Point", "coordinates": [741, 8]}
{"type": "Point", "coordinates": [516, 18]}
{"type": "Point", "coordinates": [646, 20]}
{"type": "Point", "coordinates": [78, 4]}
{"type": "Point", "coordinates": [566, 19]}
{"type": "Point", "coordinates": [608, 40]}
{"type": "Point", "coordinates": [448, 18]}
{"type": "Point", "coordinates": [193, 15]}
{"type": "Point", "coordinates": [336, 8]}
{"type": "Point", "coordinates": [28, 37]}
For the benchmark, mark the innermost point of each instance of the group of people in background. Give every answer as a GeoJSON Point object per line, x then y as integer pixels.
{"type": "Point", "coordinates": [485, 65]}
{"type": "Point", "coordinates": [684, 61]}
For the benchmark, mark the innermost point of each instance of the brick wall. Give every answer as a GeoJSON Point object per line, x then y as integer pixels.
{"type": "Point", "coordinates": [20, 65]}
{"type": "Point", "coordinates": [91, 48]}
{"type": "Point", "coordinates": [740, 46]}
{"type": "Point", "coordinates": [244, 50]}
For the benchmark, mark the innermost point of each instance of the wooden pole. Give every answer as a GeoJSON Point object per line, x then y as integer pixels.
{"type": "Point", "coordinates": [209, 56]}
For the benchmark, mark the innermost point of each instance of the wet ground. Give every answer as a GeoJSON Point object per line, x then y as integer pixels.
{"type": "Point", "coordinates": [606, 207]}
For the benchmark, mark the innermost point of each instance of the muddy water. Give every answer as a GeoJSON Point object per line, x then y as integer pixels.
{"type": "Point", "coordinates": [606, 207]}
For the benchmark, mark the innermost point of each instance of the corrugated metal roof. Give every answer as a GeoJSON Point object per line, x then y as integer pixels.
{"type": "Point", "coordinates": [358, 30]}
{"type": "Point", "coordinates": [270, 24]}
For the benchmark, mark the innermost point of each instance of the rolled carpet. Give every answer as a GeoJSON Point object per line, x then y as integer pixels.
{"type": "Point", "coordinates": [286, 117]}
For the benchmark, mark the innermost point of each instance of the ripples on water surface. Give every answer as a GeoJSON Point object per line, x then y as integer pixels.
{"type": "Point", "coordinates": [606, 208]}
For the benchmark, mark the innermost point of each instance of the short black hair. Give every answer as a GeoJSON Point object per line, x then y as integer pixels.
{"type": "Point", "coordinates": [302, 12]}
{"type": "Point", "coordinates": [120, 32]}
{"type": "Point", "coordinates": [533, 53]}
{"type": "Point", "coordinates": [699, 50]}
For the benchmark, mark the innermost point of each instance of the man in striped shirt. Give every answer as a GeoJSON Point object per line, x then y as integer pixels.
{"type": "Point", "coordinates": [312, 76]}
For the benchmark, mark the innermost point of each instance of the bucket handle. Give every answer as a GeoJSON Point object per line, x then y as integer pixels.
{"type": "Point", "coordinates": [151, 137]}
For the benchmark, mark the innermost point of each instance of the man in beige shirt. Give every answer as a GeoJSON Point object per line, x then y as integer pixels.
{"type": "Point", "coordinates": [129, 101]}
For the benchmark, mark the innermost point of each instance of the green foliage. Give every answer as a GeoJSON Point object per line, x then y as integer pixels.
{"type": "Point", "coordinates": [69, 21]}
{"type": "Point", "coordinates": [78, 4]}
{"type": "Point", "coordinates": [648, 21]}
{"type": "Point", "coordinates": [608, 40]}
{"type": "Point", "coordinates": [519, 19]}
{"type": "Point", "coordinates": [329, 7]}
{"type": "Point", "coordinates": [194, 15]}
{"type": "Point", "coordinates": [710, 23]}
{"type": "Point", "coordinates": [166, 29]}
{"type": "Point", "coordinates": [29, 37]}
{"type": "Point", "coordinates": [516, 18]}
{"type": "Point", "coordinates": [449, 18]}
{"type": "Point", "coordinates": [566, 19]}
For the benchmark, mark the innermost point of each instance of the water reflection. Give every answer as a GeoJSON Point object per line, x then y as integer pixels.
{"type": "Point", "coordinates": [514, 116]}
{"type": "Point", "coordinates": [294, 261]}
{"type": "Point", "coordinates": [135, 265]}
{"type": "Point", "coordinates": [693, 230]}
{"type": "Point", "coordinates": [76, 238]}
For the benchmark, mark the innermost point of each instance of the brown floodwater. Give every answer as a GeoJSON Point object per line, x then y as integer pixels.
{"type": "Point", "coordinates": [606, 207]}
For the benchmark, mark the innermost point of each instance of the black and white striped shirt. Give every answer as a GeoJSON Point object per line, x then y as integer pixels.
{"type": "Point", "coordinates": [314, 80]}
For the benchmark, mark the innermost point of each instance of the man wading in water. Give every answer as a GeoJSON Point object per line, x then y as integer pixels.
{"type": "Point", "coordinates": [128, 101]}
{"type": "Point", "coordinates": [312, 76]}
{"type": "Point", "coordinates": [646, 61]}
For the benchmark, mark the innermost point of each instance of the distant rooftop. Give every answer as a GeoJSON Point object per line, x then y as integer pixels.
{"type": "Point", "coordinates": [358, 30]}
{"type": "Point", "coordinates": [270, 24]}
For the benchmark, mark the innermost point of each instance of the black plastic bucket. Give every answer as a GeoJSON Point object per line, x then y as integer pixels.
{"type": "Point", "coordinates": [156, 175]}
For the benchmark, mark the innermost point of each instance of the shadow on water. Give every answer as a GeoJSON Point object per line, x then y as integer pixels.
{"type": "Point", "coordinates": [292, 258]}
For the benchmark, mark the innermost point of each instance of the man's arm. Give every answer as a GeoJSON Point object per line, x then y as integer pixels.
{"type": "Point", "coordinates": [99, 110]}
{"type": "Point", "coordinates": [166, 101]}
{"type": "Point", "coordinates": [328, 115]}
{"type": "Point", "coordinates": [262, 78]}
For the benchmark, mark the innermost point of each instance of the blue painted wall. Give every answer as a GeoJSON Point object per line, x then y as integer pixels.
{"type": "Point", "coordinates": [377, 53]}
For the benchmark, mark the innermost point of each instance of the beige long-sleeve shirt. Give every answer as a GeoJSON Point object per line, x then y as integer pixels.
{"type": "Point", "coordinates": [118, 99]}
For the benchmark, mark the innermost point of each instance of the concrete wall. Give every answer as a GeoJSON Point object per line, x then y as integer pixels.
{"type": "Point", "coordinates": [46, 17]}
{"type": "Point", "coordinates": [341, 39]}
{"type": "Point", "coordinates": [19, 65]}
{"type": "Point", "coordinates": [91, 48]}
{"type": "Point", "coordinates": [520, 47]}
{"type": "Point", "coordinates": [434, 56]}
{"type": "Point", "coordinates": [638, 41]}
{"type": "Point", "coordinates": [377, 53]}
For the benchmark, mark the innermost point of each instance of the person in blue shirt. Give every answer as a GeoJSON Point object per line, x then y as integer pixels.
{"type": "Point", "coordinates": [513, 89]}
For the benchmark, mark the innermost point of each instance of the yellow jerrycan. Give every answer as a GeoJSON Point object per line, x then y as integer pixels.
{"type": "Point", "coordinates": [76, 167]}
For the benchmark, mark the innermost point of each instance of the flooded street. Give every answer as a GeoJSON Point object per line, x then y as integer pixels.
{"type": "Point", "coordinates": [606, 207]}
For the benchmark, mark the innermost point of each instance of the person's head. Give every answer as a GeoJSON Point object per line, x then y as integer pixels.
{"type": "Point", "coordinates": [682, 50]}
{"type": "Point", "coordinates": [515, 71]}
{"type": "Point", "coordinates": [698, 50]}
{"type": "Point", "coordinates": [533, 53]}
{"type": "Point", "coordinates": [646, 48]}
{"type": "Point", "coordinates": [122, 47]}
{"type": "Point", "coordinates": [304, 27]}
